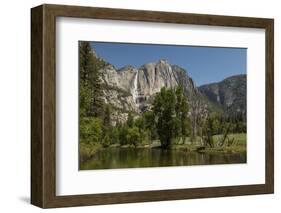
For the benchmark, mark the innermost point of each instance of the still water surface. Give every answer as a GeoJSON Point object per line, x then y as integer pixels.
{"type": "Point", "coordinates": [112, 158]}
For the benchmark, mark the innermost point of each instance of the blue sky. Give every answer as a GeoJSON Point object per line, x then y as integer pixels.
{"type": "Point", "coordinates": [203, 64]}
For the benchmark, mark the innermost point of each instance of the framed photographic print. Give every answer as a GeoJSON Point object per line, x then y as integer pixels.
{"type": "Point", "coordinates": [136, 106]}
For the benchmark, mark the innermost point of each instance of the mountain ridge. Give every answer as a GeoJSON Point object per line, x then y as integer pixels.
{"type": "Point", "coordinates": [132, 89]}
{"type": "Point", "coordinates": [230, 93]}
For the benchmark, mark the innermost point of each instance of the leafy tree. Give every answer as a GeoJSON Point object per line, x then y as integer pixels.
{"type": "Point", "coordinates": [145, 136]}
{"type": "Point", "coordinates": [197, 117]}
{"type": "Point", "coordinates": [133, 136]}
{"type": "Point", "coordinates": [123, 134]}
{"type": "Point", "coordinates": [185, 122]}
{"type": "Point", "coordinates": [144, 130]}
{"type": "Point", "coordinates": [114, 135]}
{"type": "Point", "coordinates": [181, 109]}
{"type": "Point", "coordinates": [84, 99]}
{"type": "Point", "coordinates": [217, 127]}
{"type": "Point", "coordinates": [226, 130]}
{"type": "Point", "coordinates": [149, 123]}
{"type": "Point", "coordinates": [164, 111]}
{"type": "Point", "coordinates": [90, 130]}
{"type": "Point", "coordinates": [140, 122]}
{"type": "Point", "coordinates": [216, 124]}
{"type": "Point", "coordinates": [207, 132]}
{"type": "Point", "coordinates": [106, 140]}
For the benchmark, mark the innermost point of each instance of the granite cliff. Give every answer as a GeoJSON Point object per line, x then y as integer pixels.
{"type": "Point", "coordinates": [132, 89]}
{"type": "Point", "coordinates": [230, 94]}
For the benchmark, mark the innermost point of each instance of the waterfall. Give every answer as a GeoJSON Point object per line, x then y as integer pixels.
{"type": "Point", "coordinates": [135, 89]}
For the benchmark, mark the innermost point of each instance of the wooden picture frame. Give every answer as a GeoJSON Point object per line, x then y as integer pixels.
{"type": "Point", "coordinates": [43, 105]}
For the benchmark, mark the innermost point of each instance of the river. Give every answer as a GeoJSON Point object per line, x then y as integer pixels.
{"type": "Point", "coordinates": [112, 158]}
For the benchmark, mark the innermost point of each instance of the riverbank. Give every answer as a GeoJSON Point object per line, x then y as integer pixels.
{"type": "Point", "coordinates": [238, 145]}
{"type": "Point", "coordinates": [87, 151]}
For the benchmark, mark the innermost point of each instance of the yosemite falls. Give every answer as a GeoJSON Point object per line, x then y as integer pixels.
{"type": "Point", "coordinates": [135, 92]}
{"type": "Point", "coordinates": [131, 89]}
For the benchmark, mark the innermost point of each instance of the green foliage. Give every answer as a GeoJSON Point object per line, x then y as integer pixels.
{"type": "Point", "coordinates": [106, 140]}
{"type": "Point", "coordinates": [95, 119]}
{"type": "Point", "coordinates": [123, 131]}
{"type": "Point", "coordinates": [145, 136]}
{"type": "Point", "coordinates": [140, 122]}
{"type": "Point", "coordinates": [208, 132]}
{"type": "Point", "coordinates": [107, 117]}
{"type": "Point", "coordinates": [164, 111]}
{"type": "Point", "coordinates": [216, 126]}
{"type": "Point", "coordinates": [181, 108]}
{"type": "Point", "coordinates": [233, 124]}
{"type": "Point", "coordinates": [149, 125]}
{"type": "Point", "coordinates": [84, 99]}
{"type": "Point", "coordinates": [133, 136]}
{"type": "Point", "coordinates": [145, 129]}
{"type": "Point", "coordinates": [85, 60]}
{"type": "Point", "coordinates": [114, 135]}
{"type": "Point", "coordinates": [90, 130]}
{"type": "Point", "coordinates": [130, 120]}
{"type": "Point", "coordinates": [241, 127]}
{"type": "Point", "coordinates": [86, 151]}
{"type": "Point", "coordinates": [168, 121]}
{"type": "Point", "coordinates": [91, 103]}
{"type": "Point", "coordinates": [170, 115]}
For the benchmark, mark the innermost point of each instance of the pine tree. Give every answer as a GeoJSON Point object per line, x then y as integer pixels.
{"type": "Point", "coordinates": [84, 59]}
{"type": "Point", "coordinates": [84, 90]}
{"type": "Point", "coordinates": [90, 80]}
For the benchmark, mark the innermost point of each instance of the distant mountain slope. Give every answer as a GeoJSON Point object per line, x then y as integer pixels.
{"type": "Point", "coordinates": [229, 94]}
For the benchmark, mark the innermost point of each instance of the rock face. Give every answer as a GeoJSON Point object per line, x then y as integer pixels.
{"type": "Point", "coordinates": [132, 89]}
{"type": "Point", "coordinates": [229, 93]}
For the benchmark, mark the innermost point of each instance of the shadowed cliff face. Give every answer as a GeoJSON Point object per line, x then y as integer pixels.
{"type": "Point", "coordinates": [229, 93]}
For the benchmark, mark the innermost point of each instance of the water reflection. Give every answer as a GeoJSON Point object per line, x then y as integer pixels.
{"type": "Point", "coordinates": [111, 158]}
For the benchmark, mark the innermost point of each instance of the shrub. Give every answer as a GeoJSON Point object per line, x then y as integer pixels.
{"type": "Point", "coordinates": [90, 130]}
{"type": "Point", "coordinates": [133, 136]}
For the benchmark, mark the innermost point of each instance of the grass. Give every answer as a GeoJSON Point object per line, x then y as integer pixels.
{"type": "Point", "coordinates": [239, 144]}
